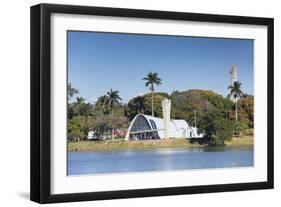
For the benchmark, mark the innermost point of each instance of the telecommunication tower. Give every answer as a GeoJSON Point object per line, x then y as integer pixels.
{"type": "Point", "coordinates": [232, 75]}
{"type": "Point", "coordinates": [232, 79]}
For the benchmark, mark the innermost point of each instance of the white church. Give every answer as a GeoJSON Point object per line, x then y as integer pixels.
{"type": "Point", "coordinates": [149, 127]}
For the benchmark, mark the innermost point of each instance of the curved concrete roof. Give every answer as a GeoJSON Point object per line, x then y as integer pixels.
{"type": "Point", "coordinates": [178, 128]}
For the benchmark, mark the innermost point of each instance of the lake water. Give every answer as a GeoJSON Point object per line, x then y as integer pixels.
{"type": "Point", "coordinates": [88, 162]}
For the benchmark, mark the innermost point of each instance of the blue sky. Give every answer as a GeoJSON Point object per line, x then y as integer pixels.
{"type": "Point", "coordinates": [100, 61]}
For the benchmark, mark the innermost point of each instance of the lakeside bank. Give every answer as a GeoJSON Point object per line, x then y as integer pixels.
{"type": "Point", "coordinates": [120, 144]}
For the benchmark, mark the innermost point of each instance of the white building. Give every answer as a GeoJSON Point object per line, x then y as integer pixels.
{"type": "Point", "coordinates": [149, 127]}
{"type": "Point", "coordinates": [90, 135]}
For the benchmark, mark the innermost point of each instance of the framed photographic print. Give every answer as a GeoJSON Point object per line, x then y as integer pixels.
{"type": "Point", "coordinates": [132, 103]}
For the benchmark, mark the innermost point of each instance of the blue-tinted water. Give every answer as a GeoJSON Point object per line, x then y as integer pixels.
{"type": "Point", "coordinates": [80, 163]}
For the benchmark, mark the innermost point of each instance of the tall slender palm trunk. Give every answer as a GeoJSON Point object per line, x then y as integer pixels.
{"type": "Point", "coordinates": [236, 113]}
{"type": "Point", "coordinates": [152, 112]}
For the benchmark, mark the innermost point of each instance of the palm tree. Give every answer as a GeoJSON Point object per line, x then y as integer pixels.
{"type": "Point", "coordinates": [78, 106]}
{"type": "Point", "coordinates": [79, 100]}
{"type": "Point", "coordinates": [82, 108]}
{"type": "Point", "coordinates": [139, 104]}
{"type": "Point", "coordinates": [113, 98]}
{"type": "Point", "coordinates": [103, 104]}
{"type": "Point", "coordinates": [236, 92]}
{"type": "Point", "coordinates": [151, 80]}
{"type": "Point", "coordinates": [81, 112]}
{"type": "Point", "coordinates": [136, 106]}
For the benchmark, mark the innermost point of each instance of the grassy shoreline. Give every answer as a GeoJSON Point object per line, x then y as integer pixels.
{"type": "Point", "coordinates": [148, 144]}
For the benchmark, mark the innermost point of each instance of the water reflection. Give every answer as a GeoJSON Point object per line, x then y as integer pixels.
{"type": "Point", "coordinates": [80, 163]}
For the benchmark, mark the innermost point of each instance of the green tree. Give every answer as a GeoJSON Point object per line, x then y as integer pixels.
{"type": "Point", "coordinates": [185, 102]}
{"type": "Point", "coordinates": [216, 128]}
{"type": "Point", "coordinates": [246, 107]}
{"type": "Point", "coordinates": [70, 111]}
{"type": "Point", "coordinates": [79, 100]}
{"type": "Point", "coordinates": [236, 92]}
{"type": "Point", "coordinates": [157, 104]}
{"type": "Point", "coordinates": [75, 129]}
{"type": "Point", "coordinates": [224, 131]}
{"type": "Point", "coordinates": [142, 104]}
{"type": "Point", "coordinates": [242, 128]}
{"type": "Point", "coordinates": [152, 79]}
{"type": "Point", "coordinates": [81, 108]}
{"type": "Point", "coordinates": [135, 106]}
{"type": "Point", "coordinates": [113, 98]}
{"type": "Point", "coordinates": [106, 122]}
{"type": "Point", "coordinates": [71, 91]}
{"type": "Point", "coordinates": [102, 104]}
{"type": "Point", "coordinates": [99, 123]}
{"type": "Point", "coordinates": [115, 122]}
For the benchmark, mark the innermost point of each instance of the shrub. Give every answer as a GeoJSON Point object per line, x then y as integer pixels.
{"type": "Point", "coordinates": [241, 128]}
{"type": "Point", "coordinates": [216, 129]}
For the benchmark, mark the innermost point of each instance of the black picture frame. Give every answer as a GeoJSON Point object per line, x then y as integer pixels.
{"type": "Point", "coordinates": [41, 97]}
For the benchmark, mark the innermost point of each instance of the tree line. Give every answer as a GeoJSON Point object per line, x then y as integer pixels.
{"type": "Point", "coordinates": [219, 118]}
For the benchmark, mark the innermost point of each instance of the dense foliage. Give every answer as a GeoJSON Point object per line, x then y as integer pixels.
{"type": "Point", "coordinates": [106, 115]}
{"type": "Point", "coordinates": [186, 103]}
{"type": "Point", "coordinates": [219, 118]}
{"type": "Point", "coordinates": [142, 104]}
{"type": "Point", "coordinates": [216, 128]}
